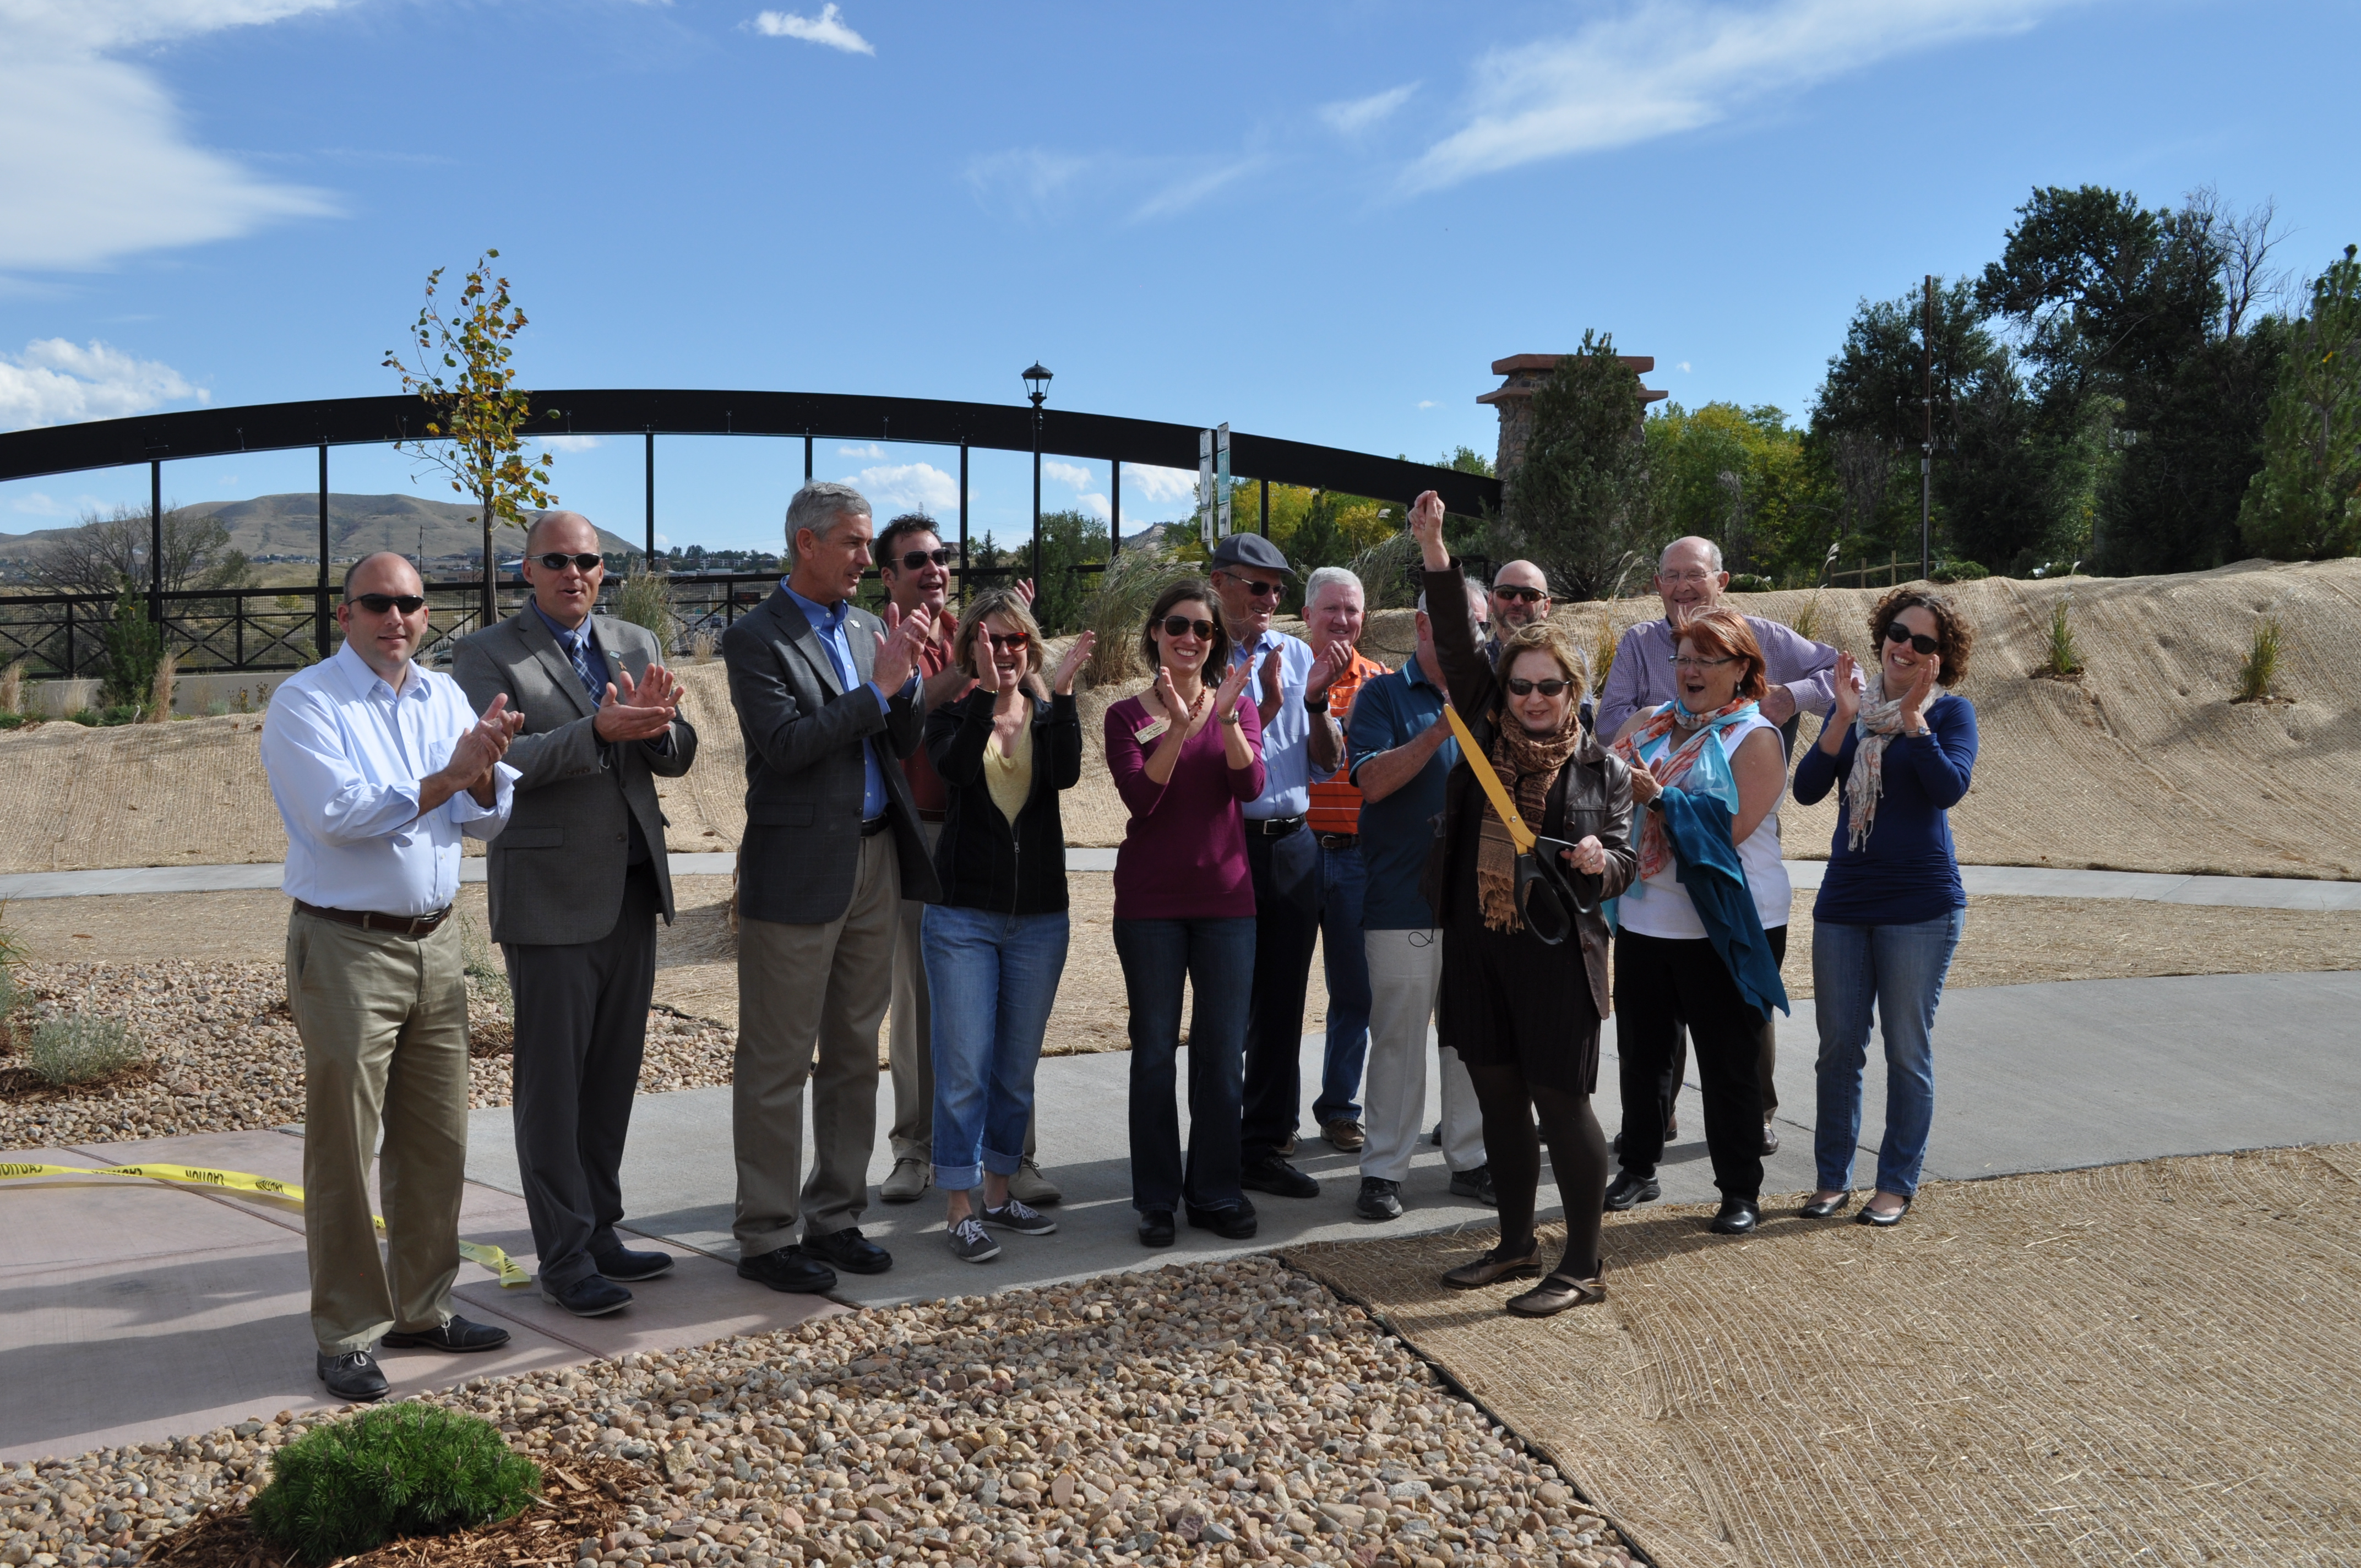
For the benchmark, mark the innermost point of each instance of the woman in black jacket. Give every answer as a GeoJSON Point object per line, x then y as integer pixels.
{"type": "Point", "coordinates": [995, 945]}
{"type": "Point", "coordinates": [1523, 1014]}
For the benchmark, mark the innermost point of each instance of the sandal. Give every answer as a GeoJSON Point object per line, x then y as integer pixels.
{"type": "Point", "coordinates": [1493, 1266]}
{"type": "Point", "coordinates": [1556, 1293]}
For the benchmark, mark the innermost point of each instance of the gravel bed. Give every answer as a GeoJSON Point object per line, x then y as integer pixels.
{"type": "Point", "coordinates": [223, 1055]}
{"type": "Point", "coordinates": [1223, 1412]}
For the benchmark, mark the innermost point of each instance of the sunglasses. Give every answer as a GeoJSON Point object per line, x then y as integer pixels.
{"type": "Point", "coordinates": [557, 561]}
{"type": "Point", "coordinates": [1531, 595]}
{"type": "Point", "coordinates": [1519, 687]}
{"type": "Point", "coordinates": [912, 560]}
{"type": "Point", "coordinates": [1897, 632]}
{"type": "Point", "coordinates": [1259, 591]}
{"type": "Point", "coordinates": [1181, 626]}
{"type": "Point", "coordinates": [1010, 640]}
{"type": "Point", "coordinates": [377, 604]}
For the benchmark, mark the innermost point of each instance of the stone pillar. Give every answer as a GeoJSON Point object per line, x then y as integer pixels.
{"type": "Point", "coordinates": [1513, 399]}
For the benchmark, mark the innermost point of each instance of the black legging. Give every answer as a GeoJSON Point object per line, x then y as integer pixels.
{"type": "Point", "coordinates": [1577, 1157]}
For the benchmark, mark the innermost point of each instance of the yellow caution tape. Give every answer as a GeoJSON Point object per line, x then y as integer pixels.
{"type": "Point", "coordinates": [511, 1274]}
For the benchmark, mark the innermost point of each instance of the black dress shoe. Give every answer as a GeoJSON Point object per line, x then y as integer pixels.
{"type": "Point", "coordinates": [1770, 1136]}
{"type": "Point", "coordinates": [1156, 1228]}
{"type": "Point", "coordinates": [352, 1376]}
{"type": "Point", "coordinates": [1236, 1224]}
{"type": "Point", "coordinates": [1828, 1210]}
{"type": "Point", "coordinates": [849, 1250]}
{"type": "Point", "coordinates": [1273, 1175]}
{"type": "Point", "coordinates": [786, 1268]}
{"type": "Point", "coordinates": [629, 1267]}
{"type": "Point", "coordinates": [1869, 1216]}
{"type": "Point", "coordinates": [592, 1295]}
{"type": "Point", "coordinates": [455, 1336]}
{"type": "Point", "coordinates": [1738, 1216]}
{"type": "Point", "coordinates": [1627, 1190]}
{"type": "Point", "coordinates": [1476, 1184]}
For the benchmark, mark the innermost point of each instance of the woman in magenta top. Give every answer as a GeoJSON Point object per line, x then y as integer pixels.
{"type": "Point", "coordinates": [1185, 756]}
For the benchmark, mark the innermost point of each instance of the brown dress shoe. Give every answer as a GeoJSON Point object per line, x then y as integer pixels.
{"type": "Point", "coordinates": [1494, 1265]}
{"type": "Point", "coordinates": [1555, 1294]}
{"type": "Point", "coordinates": [1344, 1134]}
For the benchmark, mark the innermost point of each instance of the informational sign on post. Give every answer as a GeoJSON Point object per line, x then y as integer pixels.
{"type": "Point", "coordinates": [1221, 480]}
{"type": "Point", "coordinates": [1205, 508]}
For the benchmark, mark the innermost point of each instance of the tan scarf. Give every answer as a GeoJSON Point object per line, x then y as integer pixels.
{"type": "Point", "coordinates": [1877, 726]}
{"type": "Point", "coordinates": [1527, 765]}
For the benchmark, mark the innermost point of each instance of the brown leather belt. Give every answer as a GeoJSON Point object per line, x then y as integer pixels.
{"type": "Point", "coordinates": [368, 920]}
{"type": "Point", "coordinates": [1339, 841]}
{"type": "Point", "coordinates": [876, 825]}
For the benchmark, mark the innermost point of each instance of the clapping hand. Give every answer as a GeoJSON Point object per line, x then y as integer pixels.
{"type": "Point", "coordinates": [1848, 684]}
{"type": "Point", "coordinates": [1233, 686]}
{"type": "Point", "coordinates": [1269, 673]}
{"type": "Point", "coordinates": [987, 663]}
{"type": "Point", "coordinates": [1914, 701]}
{"type": "Point", "coordinates": [1167, 698]}
{"type": "Point", "coordinates": [1426, 527]}
{"type": "Point", "coordinates": [898, 651]}
{"type": "Point", "coordinates": [1644, 787]}
{"type": "Point", "coordinates": [1335, 658]}
{"type": "Point", "coordinates": [637, 712]}
{"type": "Point", "coordinates": [485, 742]}
{"type": "Point", "coordinates": [1589, 857]}
{"type": "Point", "coordinates": [1061, 679]}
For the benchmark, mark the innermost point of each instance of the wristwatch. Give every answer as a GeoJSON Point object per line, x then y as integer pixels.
{"type": "Point", "coordinates": [1232, 716]}
{"type": "Point", "coordinates": [1320, 707]}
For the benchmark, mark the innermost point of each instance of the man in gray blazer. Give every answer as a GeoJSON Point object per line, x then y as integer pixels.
{"type": "Point", "coordinates": [575, 895]}
{"type": "Point", "coordinates": [828, 699]}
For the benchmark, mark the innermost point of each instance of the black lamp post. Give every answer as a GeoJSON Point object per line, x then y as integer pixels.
{"type": "Point", "coordinates": [1037, 387]}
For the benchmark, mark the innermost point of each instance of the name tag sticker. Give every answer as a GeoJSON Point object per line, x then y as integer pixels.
{"type": "Point", "coordinates": [1152, 730]}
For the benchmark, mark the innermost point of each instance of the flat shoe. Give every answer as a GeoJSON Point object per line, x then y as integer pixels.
{"type": "Point", "coordinates": [1829, 1210]}
{"type": "Point", "coordinates": [1555, 1294]}
{"type": "Point", "coordinates": [1869, 1216]}
{"type": "Point", "coordinates": [1493, 1267]}
{"type": "Point", "coordinates": [1738, 1217]}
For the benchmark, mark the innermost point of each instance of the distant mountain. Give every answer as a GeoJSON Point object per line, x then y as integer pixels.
{"type": "Point", "coordinates": [288, 528]}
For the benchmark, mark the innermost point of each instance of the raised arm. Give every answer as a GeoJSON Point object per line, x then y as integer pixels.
{"type": "Point", "coordinates": [1466, 674]}
{"type": "Point", "coordinates": [1943, 760]}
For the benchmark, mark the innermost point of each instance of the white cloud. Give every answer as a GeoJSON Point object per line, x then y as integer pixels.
{"type": "Point", "coordinates": [1183, 194]}
{"type": "Point", "coordinates": [38, 503]}
{"type": "Point", "coordinates": [1685, 365]}
{"type": "Point", "coordinates": [907, 487]}
{"type": "Point", "coordinates": [568, 442]}
{"type": "Point", "coordinates": [1073, 476]}
{"type": "Point", "coordinates": [870, 450]}
{"type": "Point", "coordinates": [1358, 114]}
{"type": "Point", "coordinates": [1026, 180]}
{"type": "Point", "coordinates": [1426, 403]}
{"type": "Point", "coordinates": [1092, 503]}
{"type": "Point", "coordinates": [1161, 484]}
{"type": "Point", "coordinates": [56, 382]}
{"type": "Point", "coordinates": [95, 159]}
{"type": "Point", "coordinates": [827, 28]}
{"type": "Point", "coordinates": [1676, 65]}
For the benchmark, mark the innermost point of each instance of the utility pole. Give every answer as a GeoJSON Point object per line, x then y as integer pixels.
{"type": "Point", "coordinates": [1927, 444]}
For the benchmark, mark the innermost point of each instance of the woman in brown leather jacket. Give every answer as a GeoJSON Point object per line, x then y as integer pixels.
{"type": "Point", "coordinates": [1523, 1014]}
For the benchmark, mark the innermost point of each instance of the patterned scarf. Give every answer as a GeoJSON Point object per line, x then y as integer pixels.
{"type": "Point", "coordinates": [1878, 724]}
{"type": "Point", "coordinates": [1694, 731]}
{"type": "Point", "coordinates": [1528, 764]}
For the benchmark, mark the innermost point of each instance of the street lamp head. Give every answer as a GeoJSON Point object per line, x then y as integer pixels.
{"type": "Point", "coordinates": [1037, 385]}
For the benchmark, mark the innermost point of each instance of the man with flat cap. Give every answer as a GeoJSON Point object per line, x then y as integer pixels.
{"type": "Point", "coordinates": [576, 883]}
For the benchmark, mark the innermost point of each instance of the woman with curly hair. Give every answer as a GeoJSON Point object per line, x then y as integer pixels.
{"type": "Point", "coordinates": [1902, 747]}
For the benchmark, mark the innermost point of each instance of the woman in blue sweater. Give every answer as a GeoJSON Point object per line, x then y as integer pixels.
{"type": "Point", "coordinates": [1891, 909]}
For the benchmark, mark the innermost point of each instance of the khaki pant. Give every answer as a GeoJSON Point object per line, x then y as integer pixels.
{"type": "Point", "coordinates": [807, 992]}
{"type": "Point", "coordinates": [384, 1023]}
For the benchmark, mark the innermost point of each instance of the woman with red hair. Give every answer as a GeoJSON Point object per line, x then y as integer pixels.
{"type": "Point", "coordinates": [1704, 951]}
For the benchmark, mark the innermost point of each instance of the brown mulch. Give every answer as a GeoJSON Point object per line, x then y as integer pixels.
{"type": "Point", "coordinates": [582, 1497]}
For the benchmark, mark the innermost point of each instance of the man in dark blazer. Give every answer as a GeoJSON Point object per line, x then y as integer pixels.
{"type": "Point", "coordinates": [575, 894]}
{"type": "Point", "coordinates": [828, 699]}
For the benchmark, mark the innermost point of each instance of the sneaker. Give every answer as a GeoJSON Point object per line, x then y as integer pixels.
{"type": "Point", "coordinates": [1013, 1215]}
{"type": "Point", "coordinates": [970, 1242]}
{"type": "Point", "coordinates": [1627, 1190]}
{"type": "Point", "coordinates": [908, 1181]}
{"type": "Point", "coordinates": [1344, 1134]}
{"type": "Point", "coordinates": [1476, 1184]}
{"type": "Point", "coordinates": [1379, 1198]}
{"type": "Point", "coordinates": [1030, 1185]}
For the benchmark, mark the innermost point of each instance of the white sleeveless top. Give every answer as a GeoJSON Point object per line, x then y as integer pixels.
{"type": "Point", "coordinates": [1665, 910]}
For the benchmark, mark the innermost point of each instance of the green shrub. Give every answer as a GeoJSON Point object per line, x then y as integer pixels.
{"type": "Point", "coordinates": [2065, 657]}
{"type": "Point", "coordinates": [85, 715]}
{"type": "Point", "coordinates": [82, 1048]}
{"type": "Point", "coordinates": [17, 720]}
{"type": "Point", "coordinates": [1960, 572]}
{"type": "Point", "coordinates": [121, 713]}
{"type": "Point", "coordinates": [645, 599]}
{"type": "Point", "coordinates": [135, 646]}
{"type": "Point", "coordinates": [399, 1470]}
{"type": "Point", "coordinates": [1750, 582]}
{"type": "Point", "coordinates": [2259, 672]}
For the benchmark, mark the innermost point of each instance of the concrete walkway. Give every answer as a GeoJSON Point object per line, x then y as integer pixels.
{"type": "Point", "coordinates": [131, 1310]}
{"type": "Point", "coordinates": [2018, 881]}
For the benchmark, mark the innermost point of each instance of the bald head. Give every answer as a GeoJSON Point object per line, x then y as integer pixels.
{"type": "Point", "coordinates": [568, 594]}
{"type": "Point", "coordinates": [1520, 596]}
{"type": "Point", "coordinates": [572, 523]}
{"type": "Point", "coordinates": [1689, 578]}
{"type": "Point", "coordinates": [382, 572]}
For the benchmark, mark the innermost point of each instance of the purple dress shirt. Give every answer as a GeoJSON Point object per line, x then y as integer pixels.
{"type": "Point", "coordinates": [1642, 676]}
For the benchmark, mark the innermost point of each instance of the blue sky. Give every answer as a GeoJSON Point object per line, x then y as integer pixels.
{"type": "Point", "coordinates": [1320, 221]}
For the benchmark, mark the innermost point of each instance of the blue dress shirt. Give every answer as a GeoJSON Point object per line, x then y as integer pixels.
{"type": "Point", "coordinates": [1287, 738]}
{"type": "Point", "coordinates": [828, 623]}
{"type": "Point", "coordinates": [1389, 711]}
{"type": "Point", "coordinates": [344, 752]}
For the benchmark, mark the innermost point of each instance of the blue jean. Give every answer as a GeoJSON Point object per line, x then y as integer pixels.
{"type": "Point", "coordinates": [991, 980]}
{"type": "Point", "coordinates": [1345, 959]}
{"type": "Point", "coordinates": [1217, 957]}
{"type": "Point", "coordinates": [1899, 970]}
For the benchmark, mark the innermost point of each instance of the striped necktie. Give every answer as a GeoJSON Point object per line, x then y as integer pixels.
{"type": "Point", "coordinates": [586, 665]}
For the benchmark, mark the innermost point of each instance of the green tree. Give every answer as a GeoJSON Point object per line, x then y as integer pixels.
{"type": "Point", "coordinates": [1062, 599]}
{"type": "Point", "coordinates": [476, 410]}
{"type": "Point", "coordinates": [2304, 504]}
{"type": "Point", "coordinates": [1743, 478]}
{"type": "Point", "coordinates": [1578, 503]}
{"type": "Point", "coordinates": [135, 646]}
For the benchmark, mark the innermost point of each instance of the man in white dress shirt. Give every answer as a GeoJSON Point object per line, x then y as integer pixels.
{"type": "Point", "coordinates": [379, 766]}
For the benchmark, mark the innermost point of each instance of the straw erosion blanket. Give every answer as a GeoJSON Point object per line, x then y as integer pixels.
{"type": "Point", "coordinates": [2157, 1362]}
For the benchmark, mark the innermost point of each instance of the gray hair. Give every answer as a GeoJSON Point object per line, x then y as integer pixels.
{"type": "Point", "coordinates": [1475, 597]}
{"type": "Point", "coordinates": [1327, 575]}
{"type": "Point", "coordinates": [818, 506]}
{"type": "Point", "coordinates": [1713, 551]}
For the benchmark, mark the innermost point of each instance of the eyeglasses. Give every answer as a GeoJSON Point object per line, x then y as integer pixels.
{"type": "Point", "coordinates": [912, 560]}
{"type": "Point", "coordinates": [1695, 579]}
{"type": "Point", "coordinates": [1530, 596]}
{"type": "Point", "coordinates": [557, 561]}
{"type": "Point", "coordinates": [377, 604]}
{"type": "Point", "coordinates": [1686, 661]}
{"type": "Point", "coordinates": [1259, 590]}
{"type": "Point", "coordinates": [1181, 626]}
{"type": "Point", "coordinates": [1521, 686]}
{"type": "Point", "coordinates": [1897, 632]}
{"type": "Point", "coordinates": [1010, 640]}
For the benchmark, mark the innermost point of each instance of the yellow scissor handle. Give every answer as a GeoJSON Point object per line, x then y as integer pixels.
{"type": "Point", "coordinates": [1489, 777]}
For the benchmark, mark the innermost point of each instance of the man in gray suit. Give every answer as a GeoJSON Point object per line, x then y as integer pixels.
{"type": "Point", "coordinates": [575, 894]}
{"type": "Point", "coordinates": [828, 699]}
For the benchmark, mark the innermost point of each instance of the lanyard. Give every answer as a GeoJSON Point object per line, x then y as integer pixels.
{"type": "Point", "coordinates": [1489, 777]}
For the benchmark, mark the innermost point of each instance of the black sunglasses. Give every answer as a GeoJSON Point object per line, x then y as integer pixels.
{"type": "Point", "coordinates": [557, 561]}
{"type": "Point", "coordinates": [1181, 626]}
{"type": "Point", "coordinates": [1531, 595]}
{"type": "Point", "coordinates": [1259, 590]}
{"type": "Point", "coordinates": [1897, 632]}
{"type": "Point", "coordinates": [1523, 687]}
{"type": "Point", "coordinates": [377, 604]}
{"type": "Point", "coordinates": [913, 559]}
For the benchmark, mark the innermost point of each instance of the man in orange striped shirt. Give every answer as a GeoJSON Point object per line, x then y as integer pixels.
{"type": "Point", "coordinates": [1333, 615]}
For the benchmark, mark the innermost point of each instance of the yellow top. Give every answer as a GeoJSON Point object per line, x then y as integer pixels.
{"type": "Point", "coordinates": [1010, 778]}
